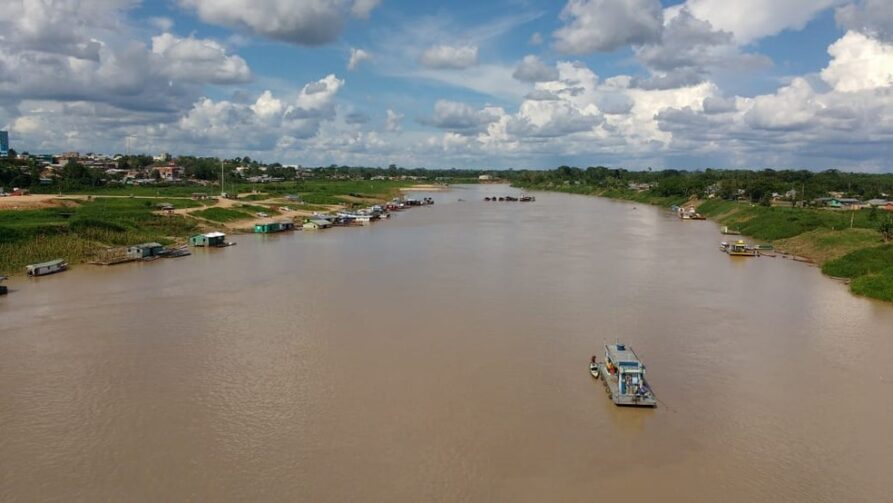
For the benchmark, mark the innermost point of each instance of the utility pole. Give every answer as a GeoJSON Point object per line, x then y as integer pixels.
{"type": "Point", "coordinates": [221, 178]}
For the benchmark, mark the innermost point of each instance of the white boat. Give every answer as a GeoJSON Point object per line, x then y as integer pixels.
{"type": "Point", "coordinates": [593, 369]}
{"type": "Point", "coordinates": [45, 268]}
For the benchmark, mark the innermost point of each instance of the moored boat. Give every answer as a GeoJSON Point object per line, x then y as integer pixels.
{"type": "Point", "coordinates": [740, 249]}
{"type": "Point", "coordinates": [3, 289]}
{"type": "Point", "coordinates": [44, 268]}
{"type": "Point", "coordinates": [624, 377]}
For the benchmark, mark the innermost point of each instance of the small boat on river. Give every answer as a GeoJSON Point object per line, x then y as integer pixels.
{"type": "Point", "coordinates": [624, 377]}
{"type": "Point", "coordinates": [3, 289]}
{"type": "Point", "coordinates": [741, 249]}
{"type": "Point", "coordinates": [44, 268]}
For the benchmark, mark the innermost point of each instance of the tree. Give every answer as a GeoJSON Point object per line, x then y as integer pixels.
{"type": "Point", "coordinates": [886, 228]}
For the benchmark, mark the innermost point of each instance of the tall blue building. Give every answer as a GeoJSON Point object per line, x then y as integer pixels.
{"type": "Point", "coordinates": [4, 143]}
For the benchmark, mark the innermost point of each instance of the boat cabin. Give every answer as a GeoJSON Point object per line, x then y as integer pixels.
{"type": "Point", "coordinates": [45, 268]}
{"type": "Point", "coordinates": [209, 239]}
{"type": "Point", "coordinates": [622, 362]}
{"type": "Point", "coordinates": [317, 223]}
{"type": "Point", "coordinates": [144, 250]}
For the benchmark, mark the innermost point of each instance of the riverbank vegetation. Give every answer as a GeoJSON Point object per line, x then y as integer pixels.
{"type": "Point", "coordinates": [79, 229]}
{"type": "Point", "coordinates": [790, 209]}
{"type": "Point", "coordinates": [86, 219]}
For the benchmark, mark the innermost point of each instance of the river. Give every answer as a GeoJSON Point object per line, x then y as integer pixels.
{"type": "Point", "coordinates": [443, 356]}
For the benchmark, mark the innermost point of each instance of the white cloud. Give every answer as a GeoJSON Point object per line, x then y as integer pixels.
{"type": "Point", "coordinates": [357, 56]}
{"type": "Point", "coordinates": [362, 8]}
{"type": "Point", "coordinates": [536, 39]}
{"type": "Point", "coordinates": [309, 22]}
{"type": "Point", "coordinates": [750, 20]}
{"type": "Point", "coordinates": [459, 117]}
{"type": "Point", "coordinates": [858, 63]}
{"type": "Point", "coordinates": [688, 50]}
{"type": "Point", "coordinates": [532, 69]}
{"type": "Point", "coordinates": [392, 123]}
{"type": "Point", "coordinates": [872, 17]}
{"type": "Point", "coordinates": [449, 57]}
{"type": "Point", "coordinates": [197, 60]}
{"type": "Point", "coordinates": [605, 25]}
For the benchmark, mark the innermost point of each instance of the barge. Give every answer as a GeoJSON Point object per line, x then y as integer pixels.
{"type": "Point", "coordinates": [624, 377]}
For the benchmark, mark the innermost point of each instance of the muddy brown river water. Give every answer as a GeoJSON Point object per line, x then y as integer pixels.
{"type": "Point", "coordinates": [443, 356]}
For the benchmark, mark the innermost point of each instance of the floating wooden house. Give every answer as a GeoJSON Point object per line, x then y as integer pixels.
{"type": "Point", "coordinates": [210, 239]}
{"type": "Point", "coordinates": [317, 223]}
{"type": "Point", "coordinates": [286, 225]}
{"type": "Point", "coordinates": [144, 250]}
{"type": "Point", "coordinates": [44, 268]}
{"type": "Point", "coordinates": [270, 227]}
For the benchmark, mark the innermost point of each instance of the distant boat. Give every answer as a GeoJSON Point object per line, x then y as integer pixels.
{"type": "Point", "coordinates": [527, 199]}
{"type": "Point", "coordinates": [44, 268]}
{"type": "Point", "coordinates": [3, 289]}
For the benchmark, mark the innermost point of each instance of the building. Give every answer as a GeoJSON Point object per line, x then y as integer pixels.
{"type": "Point", "coordinates": [144, 250]}
{"type": "Point", "coordinates": [169, 173]}
{"type": "Point", "coordinates": [209, 239]}
{"type": "Point", "coordinates": [317, 223]}
{"type": "Point", "coordinates": [4, 143]}
{"type": "Point", "coordinates": [485, 178]}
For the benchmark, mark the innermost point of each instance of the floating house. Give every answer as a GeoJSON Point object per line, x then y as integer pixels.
{"type": "Point", "coordinates": [317, 223]}
{"type": "Point", "coordinates": [44, 268]}
{"type": "Point", "coordinates": [144, 250]}
{"type": "Point", "coordinates": [266, 228]}
{"type": "Point", "coordinates": [215, 239]}
{"type": "Point", "coordinates": [270, 227]}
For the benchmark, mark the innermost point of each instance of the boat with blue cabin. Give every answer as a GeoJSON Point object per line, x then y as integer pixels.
{"type": "Point", "coordinates": [624, 376]}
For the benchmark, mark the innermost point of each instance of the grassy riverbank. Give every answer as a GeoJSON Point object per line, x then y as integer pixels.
{"type": "Point", "coordinates": [846, 244]}
{"type": "Point", "coordinates": [78, 226]}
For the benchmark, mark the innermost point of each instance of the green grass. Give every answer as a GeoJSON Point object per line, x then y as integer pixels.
{"type": "Point", "coordinates": [823, 245]}
{"type": "Point", "coordinates": [861, 262]}
{"type": "Point", "coordinates": [75, 233]}
{"type": "Point", "coordinates": [766, 223]}
{"type": "Point", "coordinates": [221, 214]}
{"type": "Point", "coordinates": [254, 208]}
{"type": "Point", "coordinates": [876, 285]}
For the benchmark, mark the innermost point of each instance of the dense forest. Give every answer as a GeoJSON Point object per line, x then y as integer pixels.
{"type": "Point", "coordinates": [756, 186]}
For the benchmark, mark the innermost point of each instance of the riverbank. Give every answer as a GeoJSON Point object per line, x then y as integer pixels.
{"type": "Point", "coordinates": [77, 227]}
{"type": "Point", "coordinates": [845, 244]}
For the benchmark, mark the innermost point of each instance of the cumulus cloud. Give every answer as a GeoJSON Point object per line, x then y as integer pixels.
{"type": "Point", "coordinates": [872, 17]}
{"type": "Point", "coordinates": [688, 50]}
{"type": "Point", "coordinates": [313, 22]}
{"type": "Point", "coordinates": [85, 52]}
{"type": "Point", "coordinates": [858, 63]}
{"type": "Point", "coordinates": [459, 117]}
{"type": "Point", "coordinates": [605, 25]}
{"type": "Point", "coordinates": [357, 56]}
{"type": "Point", "coordinates": [449, 57]}
{"type": "Point", "coordinates": [268, 122]}
{"type": "Point", "coordinates": [750, 20]}
{"type": "Point", "coordinates": [532, 69]}
{"type": "Point", "coordinates": [197, 60]}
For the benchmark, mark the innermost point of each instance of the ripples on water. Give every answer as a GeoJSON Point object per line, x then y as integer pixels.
{"type": "Point", "coordinates": [442, 356]}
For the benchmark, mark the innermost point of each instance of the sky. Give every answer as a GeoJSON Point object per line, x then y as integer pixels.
{"type": "Point", "coordinates": [520, 84]}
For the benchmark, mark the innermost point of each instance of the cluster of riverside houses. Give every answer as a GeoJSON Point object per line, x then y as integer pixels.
{"type": "Point", "coordinates": [164, 169]}
{"type": "Point", "coordinates": [849, 203]}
